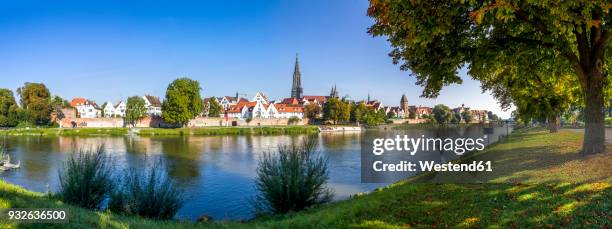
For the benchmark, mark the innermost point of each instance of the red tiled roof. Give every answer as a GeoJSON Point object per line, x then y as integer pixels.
{"type": "Point", "coordinates": [320, 98]}
{"type": "Point", "coordinates": [77, 102]}
{"type": "Point", "coordinates": [292, 101]}
{"type": "Point", "coordinates": [284, 108]}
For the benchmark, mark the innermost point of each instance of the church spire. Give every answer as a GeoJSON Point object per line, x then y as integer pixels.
{"type": "Point", "coordinates": [296, 89]}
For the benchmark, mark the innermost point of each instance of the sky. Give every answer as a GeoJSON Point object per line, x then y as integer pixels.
{"type": "Point", "coordinates": [110, 50]}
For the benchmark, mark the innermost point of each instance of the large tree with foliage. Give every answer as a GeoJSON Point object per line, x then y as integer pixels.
{"type": "Point", "coordinates": [135, 110]}
{"type": "Point", "coordinates": [359, 110]}
{"type": "Point", "coordinates": [336, 110]}
{"type": "Point", "coordinates": [442, 114]}
{"type": "Point", "coordinates": [35, 99]}
{"type": "Point", "coordinates": [436, 38]}
{"type": "Point", "coordinates": [8, 108]}
{"type": "Point", "coordinates": [467, 116]}
{"type": "Point", "coordinates": [183, 101]}
{"type": "Point", "coordinates": [214, 108]}
{"type": "Point", "coordinates": [312, 111]}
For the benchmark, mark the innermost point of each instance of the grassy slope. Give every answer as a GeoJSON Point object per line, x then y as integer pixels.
{"type": "Point", "coordinates": [264, 130]}
{"type": "Point", "coordinates": [555, 187]}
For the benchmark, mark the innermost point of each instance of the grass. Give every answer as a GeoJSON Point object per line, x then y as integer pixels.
{"type": "Point", "coordinates": [264, 130]}
{"type": "Point", "coordinates": [552, 187]}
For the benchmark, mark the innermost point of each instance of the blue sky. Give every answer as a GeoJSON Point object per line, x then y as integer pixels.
{"type": "Point", "coordinates": [112, 49]}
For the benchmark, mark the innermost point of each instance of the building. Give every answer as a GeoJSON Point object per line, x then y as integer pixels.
{"type": "Point", "coordinates": [296, 89]}
{"type": "Point", "coordinates": [289, 111]}
{"type": "Point", "coordinates": [420, 111]}
{"type": "Point", "coordinates": [109, 109]}
{"type": "Point", "coordinates": [375, 104]}
{"type": "Point", "coordinates": [317, 99]}
{"type": "Point", "coordinates": [260, 97]}
{"type": "Point", "coordinates": [120, 109]}
{"type": "Point", "coordinates": [404, 109]}
{"type": "Point", "coordinates": [334, 93]}
{"type": "Point", "coordinates": [480, 116]}
{"type": "Point", "coordinates": [153, 105]}
{"type": "Point", "coordinates": [261, 108]}
{"type": "Point", "coordinates": [86, 108]}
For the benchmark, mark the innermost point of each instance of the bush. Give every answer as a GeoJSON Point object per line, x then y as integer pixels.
{"type": "Point", "coordinates": [293, 120]}
{"type": "Point", "coordinates": [25, 124]}
{"type": "Point", "coordinates": [85, 179]}
{"type": "Point", "coordinates": [150, 194]}
{"type": "Point", "coordinates": [292, 179]}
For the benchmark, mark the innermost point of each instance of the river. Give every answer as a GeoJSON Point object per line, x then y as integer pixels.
{"type": "Point", "coordinates": [216, 172]}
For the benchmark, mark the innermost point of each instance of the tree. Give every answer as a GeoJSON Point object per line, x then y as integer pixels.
{"type": "Point", "coordinates": [391, 115]}
{"type": "Point", "coordinates": [58, 102]}
{"type": "Point", "coordinates": [135, 110]}
{"type": "Point", "coordinates": [411, 115]}
{"type": "Point", "coordinates": [214, 108]}
{"type": "Point", "coordinates": [332, 110]}
{"type": "Point", "coordinates": [183, 101]}
{"type": "Point", "coordinates": [435, 38]}
{"type": "Point", "coordinates": [312, 111]}
{"type": "Point", "coordinates": [456, 118]}
{"type": "Point", "coordinates": [442, 114]}
{"type": "Point", "coordinates": [35, 99]}
{"type": "Point", "coordinates": [467, 116]}
{"type": "Point", "coordinates": [491, 116]}
{"type": "Point", "coordinates": [8, 108]}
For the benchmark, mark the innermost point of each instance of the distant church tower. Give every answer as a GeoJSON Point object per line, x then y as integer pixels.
{"type": "Point", "coordinates": [334, 93]}
{"type": "Point", "coordinates": [404, 105]}
{"type": "Point", "coordinates": [296, 89]}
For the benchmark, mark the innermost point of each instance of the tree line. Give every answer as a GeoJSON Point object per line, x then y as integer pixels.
{"type": "Point", "coordinates": [541, 58]}
{"type": "Point", "coordinates": [35, 108]}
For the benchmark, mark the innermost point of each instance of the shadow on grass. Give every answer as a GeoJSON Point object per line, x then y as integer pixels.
{"type": "Point", "coordinates": [504, 205]}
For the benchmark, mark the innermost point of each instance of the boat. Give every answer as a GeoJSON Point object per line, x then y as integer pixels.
{"type": "Point", "coordinates": [5, 163]}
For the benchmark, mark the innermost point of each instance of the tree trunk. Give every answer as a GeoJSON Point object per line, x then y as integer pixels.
{"type": "Point", "coordinates": [594, 132]}
{"type": "Point", "coordinates": [553, 123]}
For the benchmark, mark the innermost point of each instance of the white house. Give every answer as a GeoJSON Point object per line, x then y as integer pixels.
{"type": "Point", "coordinates": [109, 109]}
{"type": "Point", "coordinates": [86, 108]}
{"type": "Point", "coordinates": [288, 111]}
{"type": "Point", "coordinates": [260, 97]}
{"type": "Point", "coordinates": [120, 109]}
{"type": "Point", "coordinates": [257, 109]}
{"type": "Point", "coordinates": [153, 105]}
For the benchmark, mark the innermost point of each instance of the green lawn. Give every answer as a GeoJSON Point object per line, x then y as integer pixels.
{"type": "Point", "coordinates": [539, 180]}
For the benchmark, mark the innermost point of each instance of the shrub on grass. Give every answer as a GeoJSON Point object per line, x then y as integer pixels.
{"type": "Point", "coordinates": [293, 120]}
{"type": "Point", "coordinates": [86, 179]}
{"type": "Point", "coordinates": [150, 193]}
{"type": "Point", "coordinates": [292, 179]}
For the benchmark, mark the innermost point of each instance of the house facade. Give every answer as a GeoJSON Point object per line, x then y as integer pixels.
{"type": "Point", "coordinates": [120, 109]}
{"type": "Point", "coordinates": [86, 108]}
{"type": "Point", "coordinates": [109, 109]}
{"type": "Point", "coordinates": [153, 105]}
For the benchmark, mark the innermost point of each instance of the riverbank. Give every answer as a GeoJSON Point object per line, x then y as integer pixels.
{"type": "Point", "coordinates": [259, 130]}
{"type": "Point", "coordinates": [556, 187]}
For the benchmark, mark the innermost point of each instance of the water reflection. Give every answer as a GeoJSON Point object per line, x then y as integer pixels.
{"type": "Point", "coordinates": [217, 172]}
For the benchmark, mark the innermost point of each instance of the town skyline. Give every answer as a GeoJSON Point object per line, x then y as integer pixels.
{"type": "Point", "coordinates": [137, 52]}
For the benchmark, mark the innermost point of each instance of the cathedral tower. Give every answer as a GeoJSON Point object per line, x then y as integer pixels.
{"type": "Point", "coordinates": [296, 89]}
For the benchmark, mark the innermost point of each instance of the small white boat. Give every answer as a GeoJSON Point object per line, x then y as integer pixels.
{"type": "Point", "coordinates": [5, 164]}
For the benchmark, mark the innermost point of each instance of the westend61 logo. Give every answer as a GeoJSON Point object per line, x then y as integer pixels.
{"type": "Point", "coordinates": [393, 157]}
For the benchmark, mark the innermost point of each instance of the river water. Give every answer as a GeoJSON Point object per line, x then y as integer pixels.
{"type": "Point", "coordinates": [216, 172]}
